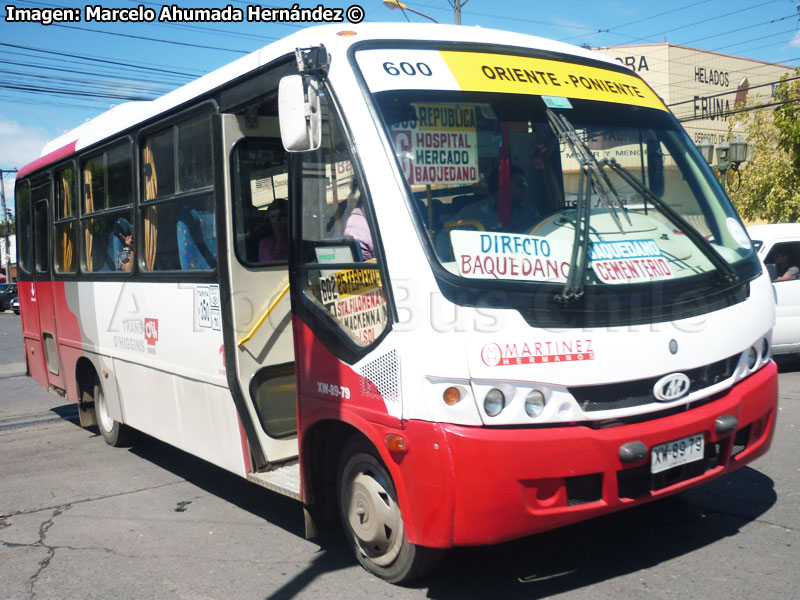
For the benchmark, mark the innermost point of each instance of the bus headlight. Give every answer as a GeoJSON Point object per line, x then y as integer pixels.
{"type": "Point", "coordinates": [494, 402]}
{"type": "Point", "coordinates": [534, 403]}
{"type": "Point", "coordinates": [765, 349]}
{"type": "Point", "coordinates": [752, 357]}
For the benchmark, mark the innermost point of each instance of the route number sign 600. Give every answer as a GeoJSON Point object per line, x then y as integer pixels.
{"type": "Point", "coordinates": [407, 68]}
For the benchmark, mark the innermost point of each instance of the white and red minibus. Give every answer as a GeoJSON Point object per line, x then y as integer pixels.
{"type": "Point", "coordinates": [453, 285]}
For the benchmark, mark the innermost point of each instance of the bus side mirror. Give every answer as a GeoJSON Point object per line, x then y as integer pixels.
{"type": "Point", "coordinates": [299, 113]}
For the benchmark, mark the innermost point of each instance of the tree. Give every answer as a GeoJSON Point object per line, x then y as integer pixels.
{"type": "Point", "coordinates": [770, 188]}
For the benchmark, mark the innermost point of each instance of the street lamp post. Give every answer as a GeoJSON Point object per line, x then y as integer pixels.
{"type": "Point", "coordinates": [729, 157]}
{"type": "Point", "coordinates": [393, 4]}
{"type": "Point", "coordinates": [457, 6]}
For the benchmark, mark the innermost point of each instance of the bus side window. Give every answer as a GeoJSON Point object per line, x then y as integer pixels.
{"type": "Point", "coordinates": [24, 228]}
{"type": "Point", "coordinates": [177, 208]}
{"type": "Point", "coordinates": [260, 192]}
{"type": "Point", "coordinates": [335, 228]}
{"type": "Point", "coordinates": [106, 184]}
{"type": "Point", "coordinates": [65, 214]}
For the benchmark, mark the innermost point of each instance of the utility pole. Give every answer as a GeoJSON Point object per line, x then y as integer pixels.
{"type": "Point", "coordinates": [5, 224]}
{"type": "Point", "coordinates": [457, 4]}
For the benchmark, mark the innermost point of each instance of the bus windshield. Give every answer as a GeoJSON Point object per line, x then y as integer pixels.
{"type": "Point", "coordinates": [506, 185]}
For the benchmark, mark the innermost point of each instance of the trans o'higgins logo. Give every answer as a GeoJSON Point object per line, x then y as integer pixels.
{"type": "Point", "coordinates": [547, 351]}
{"type": "Point", "coordinates": [151, 331]}
{"type": "Point", "coordinates": [671, 387]}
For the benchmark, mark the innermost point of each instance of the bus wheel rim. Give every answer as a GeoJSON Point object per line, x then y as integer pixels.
{"type": "Point", "coordinates": [375, 519]}
{"type": "Point", "coordinates": [106, 422]}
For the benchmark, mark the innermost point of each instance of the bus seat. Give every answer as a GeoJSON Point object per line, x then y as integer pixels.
{"type": "Point", "coordinates": [197, 244]}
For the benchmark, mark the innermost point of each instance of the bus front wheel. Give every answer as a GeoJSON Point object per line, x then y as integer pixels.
{"type": "Point", "coordinates": [372, 519]}
{"type": "Point", "coordinates": [113, 432]}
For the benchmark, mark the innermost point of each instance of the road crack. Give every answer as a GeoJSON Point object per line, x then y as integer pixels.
{"type": "Point", "coordinates": [4, 517]}
{"type": "Point", "coordinates": [51, 550]}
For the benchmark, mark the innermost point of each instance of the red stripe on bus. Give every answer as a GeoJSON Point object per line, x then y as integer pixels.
{"type": "Point", "coordinates": [47, 159]}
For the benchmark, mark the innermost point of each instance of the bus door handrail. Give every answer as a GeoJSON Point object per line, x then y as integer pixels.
{"type": "Point", "coordinates": [263, 318]}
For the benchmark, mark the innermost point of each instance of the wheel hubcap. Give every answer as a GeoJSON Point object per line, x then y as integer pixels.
{"type": "Point", "coordinates": [375, 519]}
{"type": "Point", "coordinates": [106, 422]}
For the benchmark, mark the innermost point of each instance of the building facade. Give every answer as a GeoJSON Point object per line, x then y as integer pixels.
{"type": "Point", "coordinates": [701, 87]}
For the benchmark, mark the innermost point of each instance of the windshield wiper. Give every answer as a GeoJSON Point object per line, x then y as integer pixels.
{"type": "Point", "coordinates": [591, 176]}
{"type": "Point", "coordinates": [723, 266]}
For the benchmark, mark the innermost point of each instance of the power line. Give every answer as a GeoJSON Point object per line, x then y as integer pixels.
{"type": "Point", "coordinates": [749, 87]}
{"type": "Point", "coordinates": [50, 68]}
{"type": "Point", "coordinates": [70, 92]}
{"type": "Point", "coordinates": [708, 37]}
{"type": "Point", "coordinates": [50, 103]}
{"type": "Point", "coordinates": [610, 29]}
{"type": "Point", "coordinates": [99, 60]}
{"type": "Point", "coordinates": [150, 39]}
{"type": "Point", "coordinates": [743, 110]}
{"type": "Point", "coordinates": [91, 82]}
{"type": "Point", "coordinates": [694, 22]}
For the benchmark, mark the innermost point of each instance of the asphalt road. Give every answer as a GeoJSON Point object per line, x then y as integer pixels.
{"type": "Point", "coordinates": [79, 519]}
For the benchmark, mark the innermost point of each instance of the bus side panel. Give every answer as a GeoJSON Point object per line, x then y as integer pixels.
{"type": "Point", "coordinates": [69, 360]}
{"type": "Point", "coordinates": [69, 336]}
{"type": "Point", "coordinates": [31, 334]}
{"type": "Point", "coordinates": [195, 416]}
{"type": "Point", "coordinates": [422, 475]}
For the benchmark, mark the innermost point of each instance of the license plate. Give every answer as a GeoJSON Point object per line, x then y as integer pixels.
{"type": "Point", "coordinates": [676, 453]}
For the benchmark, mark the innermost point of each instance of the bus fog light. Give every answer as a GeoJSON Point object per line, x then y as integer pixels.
{"type": "Point", "coordinates": [752, 357]}
{"type": "Point", "coordinates": [534, 403]}
{"type": "Point", "coordinates": [494, 402]}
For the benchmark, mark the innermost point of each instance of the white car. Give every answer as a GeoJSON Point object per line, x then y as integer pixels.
{"type": "Point", "coordinates": [770, 241]}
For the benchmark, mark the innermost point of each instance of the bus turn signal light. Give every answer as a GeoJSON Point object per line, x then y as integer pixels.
{"type": "Point", "coordinates": [394, 442]}
{"type": "Point", "coordinates": [451, 396]}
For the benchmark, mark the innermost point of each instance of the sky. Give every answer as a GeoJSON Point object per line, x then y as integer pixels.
{"type": "Point", "coordinates": [54, 77]}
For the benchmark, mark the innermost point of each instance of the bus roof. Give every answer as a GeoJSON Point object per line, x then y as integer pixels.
{"type": "Point", "coordinates": [121, 117]}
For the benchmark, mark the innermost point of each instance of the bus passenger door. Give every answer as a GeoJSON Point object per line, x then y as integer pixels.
{"type": "Point", "coordinates": [256, 221]}
{"type": "Point", "coordinates": [42, 289]}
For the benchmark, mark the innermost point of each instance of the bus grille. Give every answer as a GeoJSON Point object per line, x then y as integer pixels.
{"type": "Point", "coordinates": [640, 392]}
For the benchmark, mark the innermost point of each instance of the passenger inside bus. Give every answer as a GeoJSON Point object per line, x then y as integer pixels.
{"type": "Point", "coordinates": [121, 245]}
{"type": "Point", "coordinates": [275, 247]}
{"type": "Point", "coordinates": [357, 226]}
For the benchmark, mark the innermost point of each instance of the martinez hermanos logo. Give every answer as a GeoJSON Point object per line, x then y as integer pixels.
{"type": "Point", "coordinates": [543, 351]}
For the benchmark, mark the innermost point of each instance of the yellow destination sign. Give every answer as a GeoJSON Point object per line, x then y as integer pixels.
{"type": "Point", "coordinates": [482, 72]}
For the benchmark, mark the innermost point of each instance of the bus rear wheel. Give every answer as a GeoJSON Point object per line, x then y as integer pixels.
{"type": "Point", "coordinates": [114, 433]}
{"type": "Point", "coordinates": [372, 519]}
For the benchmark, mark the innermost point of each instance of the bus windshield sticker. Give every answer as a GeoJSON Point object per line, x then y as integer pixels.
{"type": "Point", "coordinates": [355, 299]}
{"type": "Point", "coordinates": [630, 261]}
{"type": "Point", "coordinates": [400, 69]}
{"type": "Point", "coordinates": [440, 146]}
{"type": "Point", "coordinates": [556, 102]}
{"type": "Point", "coordinates": [490, 255]}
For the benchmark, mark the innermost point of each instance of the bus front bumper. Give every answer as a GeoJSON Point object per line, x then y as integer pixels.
{"type": "Point", "coordinates": [509, 483]}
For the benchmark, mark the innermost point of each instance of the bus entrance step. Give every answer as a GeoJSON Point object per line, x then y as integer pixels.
{"type": "Point", "coordinates": [284, 480]}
